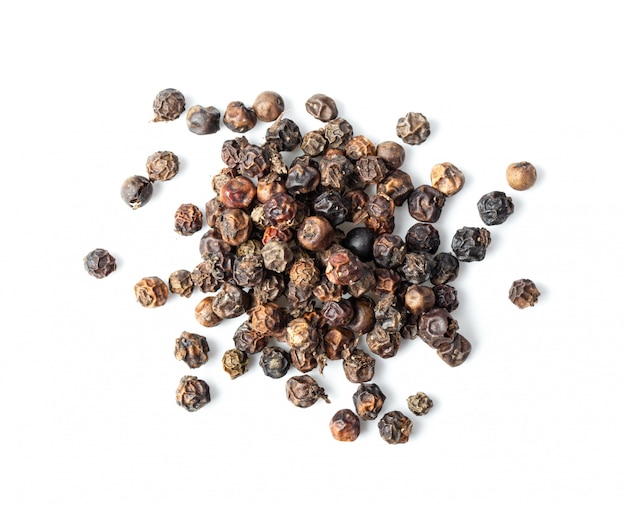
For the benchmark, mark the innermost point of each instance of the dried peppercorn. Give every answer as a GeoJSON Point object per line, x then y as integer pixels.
{"type": "Point", "coordinates": [162, 166]}
{"type": "Point", "coordinates": [204, 313]}
{"type": "Point", "coordinates": [392, 154]}
{"type": "Point", "coordinates": [321, 107]}
{"type": "Point", "coordinates": [99, 263]}
{"type": "Point", "coordinates": [339, 342]}
{"type": "Point", "coordinates": [447, 178]}
{"type": "Point", "coordinates": [425, 203]}
{"type": "Point", "coordinates": [456, 352]}
{"type": "Point", "coordinates": [232, 151]}
{"type": "Point", "coordinates": [422, 238]}
{"type": "Point", "coordinates": [235, 226]}
{"type": "Point", "coordinates": [364, 283]}
{"type": "Point", "coordinates": [268, 106]}
{"type": "Point", "coordinates": [268, 289]}
{"type": "Point", "coordinates": [274, 361]}
{"type": "Point", "coordinates": [254, 162]}
{"type": "Point", "coordinates": [413, 128]}
{"type": "Point", "coordinates": [338, 132]}
{"type": "Point", "coordinates": [283, 135]}
{"type": "Point", "coordinates": [247, 340]}
{"type": "Point", "coordinates": [203, 120]}
{"type": "Point", "coordinates": [419, 403]}
{"type": "Point", "coordinates": [230, 302]}
{"type": "Point", "coordinates": [168, 105]}
{"type": "Point", "coordinates": [360, 147]}
{"type": "Point", "coordinates": [419, 299]}
{"type": "Point", "coordinates": [359, 366]}
{"type": "Point", "coordinates": [237, 192]}
{"type": "Point", "coordinates": [314, 143]}
{"type": "Point", "coordinates": [417, 267]}
{"type": "Point", "coordinates": [335, 169]}
{"type": "Point", "coordinates": [303, 391]}
{"type": "Point", "coordinates": [268, 319]}
{"type": "Point", "coordinates": [280, 210]}
{"type": "Point", "coordinates": [192, 393]}
{"type": "Point", "coordinates": [333, 206]}
{"type": "Point", "coordinates": [364, 318]}
{"type": "Point", "coordinates": [187, 219]}
{"type": "Point", "coordinates": [371, 169]}
{"type": "Point", "coordinates": [521, 176]}
{"type": "Point", "coordinates": [315, 233]}
{"type": "Point", "coordinates": [304, 361]}
{"type": "Point", "coordinates": [326, 291]}
{"type": "Point", "coordinates": [495, 207]}
{"type": "Point", "coordinates": [397, 185]}
{"type": "Point", "coordinates": [343, 267]}
{"type": "Point", "coordinates": [389, 314]}
{"type": "Point", "coordinates": [445, 269]}
{"type": "Point", "coordinates": [360, 241]}
{"type": "Point", "coordinates": [368, 401]}
{"type": "Point", "coordinates": [204, 276]}
{"type": "Point", "coordinates": [395, 428]}
{"type": "Point", "coordinates": [239, 118]}
{"type": "Point", "coordinates": [337, 313]}
{"type": "Point", "coordinates": [222, 177]}
{"type": "Point", "coordinates": [303, 176]}
{"type": "Point", "coordinates": [446, 297]}
{"type": "Point", "coordinates": [524, 293]}
{"type": "Point", "coordinates": [303, 335]}
{"type": "Point", "coordinates": [437, 327]}
{"type": "Point", "coordinates": [303, 271]}
{"type": "Point", "coordinates": [235, 363]}
{"type": "Point", "coordinates": [276, 256]}
{"type": "Point", "coordinates": [470, 243]}
{"type": "Point", "coordinates": [358, 205]}
{"type": "Point", "coordinates": [389, 250]}
{"type": "Point", "coordinates": [136, 191]}
{"type": "Point", "coordinates": [383, 342]}
{"type": "Point", "coordinates": [380, 214]}
{"type": "Point", "coordinates": [192, 348]}
{"type": "Point", "coordinates": [181, 283]}
{"type": "Point", "coordinates": [151, 292]}
{"type": "Point", "coordinates": [345, 426]}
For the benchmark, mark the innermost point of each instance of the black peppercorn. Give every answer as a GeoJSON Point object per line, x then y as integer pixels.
{"type": "Point", "coordinates": [314, 143]}
{"type": "Point", "coordinates": [422, 237]}
{"type": "Point", "coordinates": [419, 403]}
{"type": "Point", "coordinates": [315, 233]}
{"type": "Point", "coordinates": [335, 169]}
{"type": "Point", "coordinates": [274, 362]}
{"type": "Point", "coordinates": [247, 340]}
{"type": "Point", "coordinates": [383, 342]}
{"type": "Point", "coordinates": [239, 118]}
{"type": "Point", "coordinates": [395, 428]}
{"type": "Point", "coordinates": [99, 263]}
{"type": "Point", "coordinates": [237, 192]}
{"type": "Point", "coordinates": [456, 352]}
{"type": "Point", "coordinates": [380, 214]}
{"type": "Point", "coordinates": [338, 132]}
{"type": "Point", "coordinates": [359, 366]}
{"type": "Point", "coordinates": [268, 106]}
{"type": "Point", "coordinates": [303, 391]}
{"type": "Point", "coordinates": [413, 128]}
{"type": "Point", "coordinates": [419, 299]}
{"type": "Point", "coordinates": [345, 426]}
{"type": "Point", "coordinates": [192, 393]}
{"type": "Point", "coordinates": [360, 147]}
{"type": "Point", "coordinates": [446, 297]}
{"type": "Point", "coordinates": [371, 169]}
{"type": "Point", "coordinates": [364, 318]}
{"type": "Point", "coordinates": [332, 205]}
{"type": "Point", "coordinates": [321, 107]}
{"type": "Point", "coordinates": [203, 120]}
{"type": "Point", "coordinates": [192, 348]}
{"type": "Point", "coordinates": [168, 105]}
{"type": "Point", "coordinates": [284, 135]}
{"type": "Point", "coordinates": [339, 342]}
{"type": "Point", "coordinates": [360, 241]}
{"type": "Point", "coordinates": [303, 175]}
{"type": "Point", "coordinates": [235, 226]}
{"type": "Point", "coordinates": [495, 207]}
{"type": "Point", "coordinates": [389, 250]}
{"type": "Point", "coordinates": [368, 401]}
{"type": "Point", "coordinates": [437, 327]}
{"type": "Point", "coordinates": [136, 191]}
{"type": "Point", "coordinates": [230, 302]}
{"type": "Point", "coordinates": [397, 185]}
{"type": "Point", "coordinates": [425, 203]}
{"type": "Point", "coordinates": [470, 243]}
{"type": "Point", "coordinates": [524, 293]}
{"type": "Point", "coordinates": [162, 166]}
{"type": "Point", "coordinates": [445, 269]}
{"type": "Point", "coordinates": [392, 154]}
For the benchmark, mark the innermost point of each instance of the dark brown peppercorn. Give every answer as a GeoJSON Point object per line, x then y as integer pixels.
{"type": "Point", "coordinates": [136, 191]}
{"type": "Point", "coordinates": [470, 243]}
{"type": "Point", "coordinates": [425, 203]}
{"type": "Point", "coordinates": [303, 361]}
{"type": "Point", "coordinates": [389, 250]}
{"type": "Point", "coordinates": [254, 162]}
{"type": "Point", "coordinates": [203, 120]}
{"type": "Point", "coordinates": [303, 272]}
{"type": "Point", "coordinates": [383, 342]}
{"type": "Point", "coordinates": [456, 352]}
{"type": "Point", "coordinates": [162, 166]}
{"type": "Point", "coordinates": [239, 118]}
{"type": "Point", "coordinates": [345, 426]}
{"type": "Point", "coordinates": [232, 151]}
{"type": "Point", "coordinates": [363, 319]}
{"type": "Point", "coordinates": [192, 393]}
{"type": "Point", "coordinates": [338, 132]}
{"type": "Point", "coordinates": [360, 147]}
{"type": "Point", "coordinates": [187, 219]}
{"type": "Point", "coordinates": [303, 391]}
{"type": "Point", "coordinates": [524, 293]}
{"type": "Point", "coordinates": [204, 313]}
{"type": "Point", "coordinates": [371, 169]}
{"type": "Point", "coordinates": [213, 210]}
{"type": "Point", "coordinates": [389, 314]}
{"type": "Point", "coordinates": [280, 210]}
{"type": "Point", "coordinates": [368, 401]}
{"type": "Point", "coordinates": [422, 238]}
{"type": "Point", "coordinates": [413, 128]}
{"type": "Point", "coordinates": [315, 233]}
{"type": "Point", "coordinates": [446, 268]}
{"type": "Point", "coordinates": [391, 153]}
{"type": "Point", "coordinates": [235, 363]}
{"type": "Point", "coordinates": [181, 283]}
{"type": "Point", "coordinates": [495, 207]}
{"type": "Point", "coordinates": [222, 177]}
{"type": "Point", "coordinates": [249, 341]}
{"type": "Point", "coordinates": [366, 282]}
{"type": "Point", "coordinates": [151, 292]}
{"type": "Point", "coordinates": [521, 176]}
{"type": "Point", "coordinates": [437, 327]}
{"type": "Point", "coordinates": [168, 105]}
{"type": "Point", "coordinates": [343, 267]}
{"type": "Point", "coordinates": [397, 185]}
{"type": "Point", "coordinates": [446, 297]}
{"type": "Point", "coordinates": [395, 428]}
{"type": "Point", "coordinates": [358, 205]}
{"type": "Point", "coordinates": [268, 289]}
{"type": "Point", "coordinates": [237, 193]}
{"type": "Point", "coordinates": [203, 275]}
{"type": "Point", "coordinates": [337, 313]}
{"type": "Point", "coordinates": [419, 403]}
{"type": "Point", "coordinates": [335, 169]}
{"type": "Point", "coordinates": [314, 143]}
{"type": "Point", "coordinates": [321, 107]}
{"type": "Point", "coordinates": [380, 214]}
{"type": "Point", "coordinates": [276, 256]}
{"type": "Point", "coordinates": [283, 135]}
{"type": "Point", "coordinates": [303, 176]}
{"type": "Point", "coordinates": [339, 342]}
{"type": "Point", "coordinates": [332, 205]}
{"type": "Point", "coordinates": [235, 226]}
{"type": "Point", "coordinates": [268, 319]}
{"type": "Point", "coordinates": [359, 366]}
{"type": "Point", "coordinates": [230, 302]}
{"type": "Point", "coordinates": [417, 267]}
{"type": "Point", "coordinates": [192, 348]}
{"type": "Point", "coordinates": [99, 263]}
{"type": "Point", "coordinates": [268, 106]}
{"type": "Point", "coordinates": [419, 299]}
{"type": "Point", "coordinates": [326, 291]}
{"type": "Point", "coordinates": [274, 362]}
{"type": "Point", "coordinates": [447, 178]}
{"type": "Point", "coordinates": [303, 335]}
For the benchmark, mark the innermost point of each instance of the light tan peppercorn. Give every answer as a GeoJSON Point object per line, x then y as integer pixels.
{"type": "Point", "coordinates": [447, 178]}
{"type": "Point", "coordinates": [521, 176]}
{"type": "Point", "coordinates": [419, 403]}
{"type": "Point", "coordinates": [151, 292]}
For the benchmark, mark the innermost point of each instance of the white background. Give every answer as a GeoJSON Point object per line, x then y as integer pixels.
{"type": "Point", "coordinates": [87, 376]}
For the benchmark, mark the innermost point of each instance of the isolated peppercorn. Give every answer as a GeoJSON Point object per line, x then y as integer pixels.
{"type": "Point", "coordinates": [524, 293]}
{"type": "Point", "coordinates": [470, 243]}
{"type": "Point", "coordinates": [136, 191]}
{"type": "Point", "coordinates": [303, 391]}
{"type": "Point", "coordinates": [274, 362]}
{"type": "Point", "coordinates": [203, 120]}
{"type": "Point", "coordinates": [395, 428]}
{"type": "Point", "coordinates": [419, 403]}
{"type": "Point", "coordinates": [413, 128]}
{"type": "Point", "coordinates": [192, 348]}
{"type": "Point", "coordinates": [368, 401]}
{"type": "Point", "coordinates": [268, 106]}
{"type": "Point", "coordinates": [235, 363]}
{"type": "Point", "coordinates": [187, 219]}
{"type": "Point", "coordinates": [168, 105]}
{"type": "Point", "coordinates": [345, 426]}
{"type": "Point", "coordinates": [162, 166]}
{"type": "Point", "coordinates": [521, 176]}
{"type": "Point", "coordinates": [447, 178]}
{"type": "Point", "coordinates": [99, 263]}
{"type": "Point", "coordinates": [321, 107]}
{"type": "Point", "coordinates": [495, 207]}
{"type": "Point", "coordinates": [239, 118]}
{"type": "Point", "coordinates": [181, 283]}
{"type": "Point", "coordinates": [151, 292]}
{"type": "Point", "coordinates": [192, 393]}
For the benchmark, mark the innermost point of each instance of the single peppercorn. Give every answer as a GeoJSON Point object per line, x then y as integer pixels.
{"type": "Point", "coordinates": [417, 267]}
{"type": "Point", "coordinates": [425, 203]}
{"type": "Point", "coordinates": [237, 192]}
{"type": "Point", "coordinates": [338, 132]}
{"type": "Point", "coordinates": [470, 243]}
{"type": "Point", "coordinates": [187, 219]}
{"type": "Point", "coordinates": [274, 362]}
{"type": "Point", "coordinates": [456, 352]}
{"type": "Point", "coordinates": [360, 147]}
{"type": "Point", "coordinates": [339, 342]}
{"type": "Point", "coordinates": [333, 206]}
{"type": "Point", "coordinates": [359, 366]}
{"type": "Point", "coordinates": [413, 128]}
{"type": "Point", "coordinates": [283, 135]}
{"type": "Point", "coordinates": [495, 207]}
{"type": "Point", "coordinates": [276, 255]}
{"type": "Point", "coordinates": [389, 250]}
{"type": "Point", "coordinates": [239, 118]}
{"type": "Point", "coordinates": [268, 319]}
{"type": "Point", "coordinates": [136, 191]}
{"type": "Point", "coordinates": [335, 169]}
{"type": "Point", "coordinates": [422, 238]}
{"type": "Point", "coordinates": [337, 313]}
{"type": "Point", "coordinates": [151, 292]}
{"type": "Point", "coordinates": [363, 318]}
{"type": "Point", "coordinates": [192, 393]}
{"type": "Point", "coordinates": [204, 313]}
{"type": "Point", "coordinates": [521, 176]}
{"type": "Point", "coordinates": [235, 363]}
{"type": "Point", "coordinates": [99, 263]}
{"type": "Point", "coordinates": [314, 143]}
{"type": "Point", "coordinates": [392, 154]}
{"type": "Point", "coordinates": [162, 166]}
{"type": "Point", "coordinates": [345, 426]}
{"type": "Point", "coordinates": [204, 277]}
{"type": "Point", "coordinates": [397, 185]}
{"type": "Point", "coordinates": [395, 428]}
{"type": "Point", "coordinates": [280, 210]}
{"type": "Point", "coordinates": [447, 178]}
{"type": "Point", "coordinates": [192, 348]}
{"type": "Point", "coordinates": [203, 120]}
{"type": "Point", "coordinates": [380, 214]}
{"type": "Point", "coordinates": [230, 302]}
{"type": "Point", "coordinates": [303, 391]}
{"type": "Point", "coordinates": [343, 267]}
{"type": "Point", "coordinates": [303, 176]}
{"type": "Point", "coordinates": [419, 403]}
{"type": "Point", "coordinates": [419, 299]}
{"type": "Point", "coordinates": [445, 269]}
{"type": "Point", "coordinates": [321, 107]}
{"type": "Point", "coordinates": [368, 401]}
{"type": "Point", "coordinates": [383, 342]}
{"type": "Point", "coordinates": [437, 327]}
{"type": "Point", "coordinates": [524, 293]}
{"type": "Point", "coordinates": [181, 283]}
{"type": "Point", "coordinates": [360, 241]}
{"type": "Point", "coordinates": [268, 106]}
{"type": "Point", "coordinates": [315, 233]}
{"type": "Point", "coordinates": [446, 297]}
{"type": "Point", "coordinates": [235, 226]}
{"type": "Point", "coordinates": [168, 105]}
{"type": "Point", "coordinates": [247, 340]}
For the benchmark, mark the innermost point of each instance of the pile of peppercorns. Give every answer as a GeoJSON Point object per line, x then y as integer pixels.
{"type": "Point", "coordinates": [306, 251]}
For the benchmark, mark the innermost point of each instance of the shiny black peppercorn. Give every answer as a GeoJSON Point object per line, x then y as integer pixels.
{"type": "Point", "coordinates": [495, 207]}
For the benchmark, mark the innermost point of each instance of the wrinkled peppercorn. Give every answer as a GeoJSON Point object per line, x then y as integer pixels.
{"type": "Point", "coordinates": [181, 283]}
{"type": "Point", "coordinates": [335, 169]}
{"type": "Point", "coordinates": [470, 243]}
{"type": "Point", "coordinates": [237, 192]}
{"type": "Point", "coordinates": [239, 118]}
{"type": "Point", "coordinates": [383, 342]}
{"type": "Point", "coordinates": [204, 313]}
{"type": "Point", "coordinates": [343, 268]}
{"type": "Point", "coordinates": [338, 132]}
{"type": "Point", "coordinates": [392, 154]}
{"type": "Point", "coordinates": [151, 292]}
{"type": "Point", "coordinates": [495, 207]}
{"type": "Point", "coordinates": [524, 293]}
{"type": "Point", "coordinates": [303, 391]}
{"type": "Point", "coordinates": [333, 206]}
{"type": "Point", "coordinates": [99, 263]}
{"type": "Point", "coordinates": [321, 107]}
{"type": "Point", "coordinates": [456, 352]}
{"type": "Point", "coordinates": [419, 403]}
{"type": "Point", "coordinates": [446, 297]}
{"type": "Point", "coordinates": [425, 203]}
{"type": "Point", "coordinates": [248, 340]}
{"type": "Point", "coordinates": [445, 269]}
{"type": "Point", "coordinates": [345, 426]}
{"type": "Point", "coordinates": [136, 191]}
{"type": "Point", "coordinates": [235, 226]}
{"type": "Point", "coordinates": [368, 401]}
{"type": "Point", "coordinates": [192, 393]}
{"type": "Point", "coordinates": [187, 219]}
{"type": "Point", "coordinates": [413, 128]}
{"type": "Point", "coordinates": [274, 362]}
{"type": "Point", "coordinates": [339, 342]}
{"type": "Point", "coordinates": [314, 143]}
{"type": "Point", "coordinates": [230, 302]}
{"type": "Point", "coordinates": [359, 366]}
{"type": "Point", "coordinates": [235, 363]}
{"type": "Point", "coordinates": [268, 106]}
{"type": "Point", "coordinates": [162, 166]}
{"type": "Point", "coordinates": [360, 147]}
{"type": "Point", "coordinates": [284, 135]}
{"type": "Point", "coordinates": [417, 267]}
{"type": "Point", "coordinates": [397, 185]}
{"type": "Point", "coordinates": [380, 214]}
{"type": "Point", "coordinates": [389, 250]}
{"type": "Point", "coordinates": [447, 178]}
{"type": "Point", "coordinates": [437, 327]}
{"type": "Point", "coordinates": [521, 176]}
{"type": "Point", "coordinates": [192, 348]}
{"type": "Point", "coordinates": [422, 237]}
{"type": "Point", "coordinates": [203, 120]}
{"type": "Point", "coordinates": [303, 176]}
{"type": "Point", "coordinates": [419, 299]}
{"type": "Point", "coordinates": [395, 428]}
{"type": "Point", "coordinates": [168, 105]}
{"type": "Point", "coordinates": [268, 319]}
{"type": "Point", "coordinates": [204, 275]}
{"type": "Point", "coordinates": [371, 169]}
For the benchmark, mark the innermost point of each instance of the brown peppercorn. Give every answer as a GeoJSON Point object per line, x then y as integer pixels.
{"type": "Point", "coordinates": [280, 210]}
{"type": "Point", "coordinates": [203, 275]}
{"type": "Point", "coordinates": [162, 166]}
{"type": "Point", "coordinates": [446, 297]}
{"type": "Point", "coordinates": [387, 281]}
{"type": "Point", "coordinates": [254, 162]}
{"type": "Point", "coordinates": [192, 393]}
{"type": "Point", "coordinates": [425, 203]}
{"type": "Point", "coordinates": [303, 391]}
{"type": "Point", "coordinates": [437, 327]}
{"type": "Point", "coordinates": [213, 210]}
{"type": "Point", "coordinates": [235, 363]}
{"type": "Point", "coordinates": [168, 105]}
{"type": "Point", "coordinates": [151, 292]}
{"type": "Point", "coordinates": [315, 233]}
{"type": "Point", "coordinates": [191, 348]}
{"type": "Point", "coordinates": [303, 361]}
{"type": "Point", "coordinates": [524, 293]}
{"type": "Point", "coordinates": [470, 243]}
{"type": "Point", "coordinates": [368, 401]}
{"type": "Point", "coordinates": [181, 283]}
{"type": "Point", "coordinates": [303, 176]}
{"type": "Point", "coordinates": [187, 219]}
{"type": "Point", "coordinates": [521, 176]}
{"type": "Point", "coordinates": [447, 178]}
{"type": "Point", "coordinates": [303, 272]}
{"type": "Point", "coordinates": [99, 263]}
{"type": "Point", "coordinates": [456, 352]}
{"type": "Point", "coordinates": [204, 313]}
{"type": "Point", "coordinates": [343, 267]}
{"type": "Point", "coordinates": [235, 226]}
{"type": "Point", "coordinates": [302, 335]}
{"type": "Point", "coordinates": [268, 106]}
{"type": "Point", "coordinates": [222, 177]}
{"type": "Point", "coordinates": [276, 255]}
{"type": "Point", "coordinates": [321, 107]}
{"type": "Point", "coordinates": [359, 366]}
{"type": "Point", "coordinates": [203, 120]}
{"type": "Point", "coordinates": [339, 342]}
{"type": "Point", "coordinates": [389, 314]}
{"type": "Point", "coordinates": [136, 191]}
{"type": "Point", "coordinates": [230, 302]}
{"type": "Point", "coordinates": [419, 403]}
{"type": "Point", "coordinates": [238, 192]}
{"type": "Point", "coordinates": [413, 128]}
{"type": "Point", "coordinates": [239, 118]}
{"type": "Point", "coordinates": [363, 319]}
{"type": "Point", "coordinates": [248, 340]}
{"type": "Point", "coordinates": [345, 426]}
{"type": "Point", "coordinates": [283, 135]}
{"type": "Point", "coordinates": [419, 299]}
{"type": "Point", "coordinates": [274, 361]}
{"type": "Point", "coordinates": [360, 147]}
{"type": "Point", "coordinates": [363, 284]}
{"type": "Point", "coordinates": [380, 214]}
{"type": "Point", "coordinates": [446, 268]}
{"type": "Point", "coordinates": [337, 313]}
{"type": "Point", "coordinates": [335, 169]}
{"type": "Point", "coordinates": [338, 132]}
{"type": "Point", "coordinates": [383, 342]}
{"type": "Point", "coordinates": [371, 169]}
{"type": "Point", "coordinates": [314, 143]}
{"type": "Point", "coordinates": [395, 428]}
{"type": "Point", "coordinates": [391, 153]}
{"type": "Point", "coordinates": [397, 185]}
{"type": "Point", "coordinates": [268, 319]}
{"type": "Point", "coordinates": [268, 186]}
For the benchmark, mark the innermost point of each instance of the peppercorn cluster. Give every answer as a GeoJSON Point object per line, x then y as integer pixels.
{"type": "Point", "coordinates": [307, 254]}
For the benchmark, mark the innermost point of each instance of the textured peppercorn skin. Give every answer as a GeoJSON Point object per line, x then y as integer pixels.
{"type": "Point", "coordinates": [192, 393]}
{"type": "Point", "coordinates": [168, 105]}
{"type": "Point", "coordinates": [524, 293]}
{"type": "Point", "coordinates": [395, 428]}
{"type": "Point", "coordinates": [345, 426]}
{"type": "Point", "coordinates": [99, 263]}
